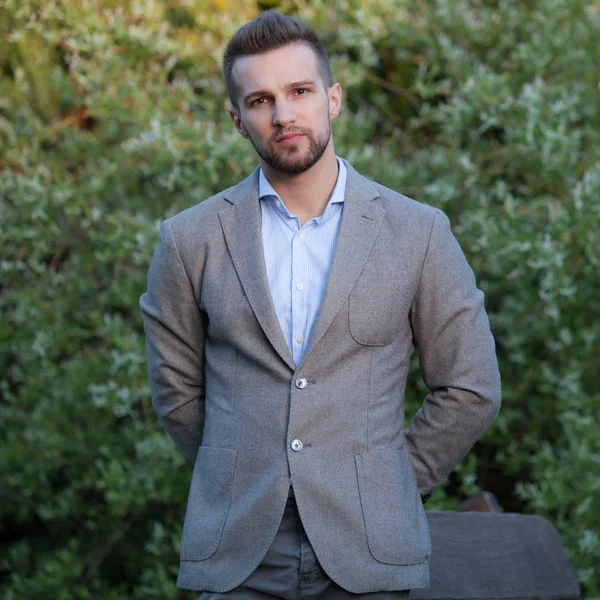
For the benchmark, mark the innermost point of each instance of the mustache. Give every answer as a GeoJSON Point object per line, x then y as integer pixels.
{"type": "Point", "coordinates": [289, 131]}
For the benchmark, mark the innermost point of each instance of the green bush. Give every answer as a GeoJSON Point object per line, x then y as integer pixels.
{"type": "Point", "coordinates": [112, 117]}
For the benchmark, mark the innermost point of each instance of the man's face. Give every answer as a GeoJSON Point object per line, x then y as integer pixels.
{"type": "Point", "coordinates": [284, 108]}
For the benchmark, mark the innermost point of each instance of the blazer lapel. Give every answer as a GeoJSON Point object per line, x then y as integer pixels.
{"type": "Point", "coordinates": [361, 220]}
{"type": "Point", "coordinates": [242, 229]}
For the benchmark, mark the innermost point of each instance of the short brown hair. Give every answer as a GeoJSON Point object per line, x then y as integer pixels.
{"type": "Point", "coordinates": [269, 31]}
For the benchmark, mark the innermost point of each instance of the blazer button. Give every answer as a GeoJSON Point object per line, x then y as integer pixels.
{"type": "Point", "coordinates": [300, 383]}
{"type": "Point", "coordinates": [296, 445]}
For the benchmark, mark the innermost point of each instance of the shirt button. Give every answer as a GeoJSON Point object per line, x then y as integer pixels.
{"type": "Point", "coordinates": [278, 204]}
{"type": "Point", "coordinates": [302, 235]}
{"type": "Point", "coordinates": [299, 286]}
{"type": "Point", "coordinates": [300, 383]}
{"type": "Point", "coordinates": [296, 445]}
{"type": "Point", "coordinates": [300, 339]}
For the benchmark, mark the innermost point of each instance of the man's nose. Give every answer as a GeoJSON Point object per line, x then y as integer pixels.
{"type": "Point", "coordinates": [284, 114]}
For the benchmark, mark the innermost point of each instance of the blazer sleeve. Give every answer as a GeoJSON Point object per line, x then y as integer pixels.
{"type": "Point", "coordinates": [457, 358]}
{"type": "Point", "coordinates": [175, 331]}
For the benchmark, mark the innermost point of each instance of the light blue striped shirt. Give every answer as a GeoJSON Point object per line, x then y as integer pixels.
{"type": "Point", "coordinates": [298, 259]}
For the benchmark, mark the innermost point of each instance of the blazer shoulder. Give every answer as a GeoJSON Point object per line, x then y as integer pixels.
{"type": "Point", "coordinates": [398, 202]}
{"type": "Point", "coordinates": [406, 212]}
{"type": "Point", "coordinates": [202, 218]}
{"type": "Point", "coordinates": [196, 216]}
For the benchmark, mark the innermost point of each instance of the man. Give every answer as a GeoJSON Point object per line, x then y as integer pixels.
{"type": "Point", "coordinates": [280, 318]}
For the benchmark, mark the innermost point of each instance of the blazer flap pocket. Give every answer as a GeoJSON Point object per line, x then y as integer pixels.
{"type": "Point", "coordinates": [396, 526]}
{"type": "Point", "coordinates": [208, 502]}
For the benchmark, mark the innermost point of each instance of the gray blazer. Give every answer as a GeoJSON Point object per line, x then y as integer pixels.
{"type": "Point", "coordinates": [227, 391]}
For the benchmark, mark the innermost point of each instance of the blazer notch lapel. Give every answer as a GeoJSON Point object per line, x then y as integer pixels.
{"type": "Point", "coordinates": [241, 226]}
{"type": "Point", "coordinates": [361, 220]}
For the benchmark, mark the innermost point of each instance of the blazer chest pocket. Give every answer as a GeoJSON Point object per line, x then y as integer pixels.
{"type": "Point", "coordinates": [395, 522]}
{"type": "Point", "coordinates": [208, 502]}
{"type": "Point", "coordinates": [378, 305]}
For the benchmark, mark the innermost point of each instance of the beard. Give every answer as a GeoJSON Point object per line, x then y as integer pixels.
{"type": "Point", "coordinates": [293, 160]}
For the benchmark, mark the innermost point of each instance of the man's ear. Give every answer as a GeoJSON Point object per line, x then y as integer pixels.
{"type": "Point", "coordinates": [335, 100]}
{"type": "Point", "coordinates": [237, 122]}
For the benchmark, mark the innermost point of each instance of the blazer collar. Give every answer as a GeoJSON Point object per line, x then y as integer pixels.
{"type": "Point", "coordinates": [240, 220]}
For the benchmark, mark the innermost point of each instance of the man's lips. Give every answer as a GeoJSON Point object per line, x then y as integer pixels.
{"type": "Point", "coordinates": [289, 138]}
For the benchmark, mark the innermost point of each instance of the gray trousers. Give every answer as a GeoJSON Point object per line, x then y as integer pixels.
{"type": "Point", "coordinates": [291, 571]}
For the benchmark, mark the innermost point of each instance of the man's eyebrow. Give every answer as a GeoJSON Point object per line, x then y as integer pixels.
{"type": "Point", "coordinates": [289, 86]}
{"type": "Point", "coordinates": [300, 83]}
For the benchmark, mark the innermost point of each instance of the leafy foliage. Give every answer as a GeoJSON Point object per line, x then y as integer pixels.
{"type": "Point", "coordinates": [112, 117]}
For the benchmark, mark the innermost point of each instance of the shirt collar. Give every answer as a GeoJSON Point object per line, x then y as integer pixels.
{"type": "Point", "coordinates": [337, 196]}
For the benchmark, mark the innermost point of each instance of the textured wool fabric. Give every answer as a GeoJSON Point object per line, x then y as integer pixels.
{"type": "Point", "coordinates": [290, 570]}
{"type": "Point", "coordinates": [227, 390]}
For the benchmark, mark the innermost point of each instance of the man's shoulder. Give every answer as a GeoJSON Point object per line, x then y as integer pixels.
{"type": "Point", "coordinates": [398, 204]}
{"type": "Point", "coordinates": [407, 217]}
{"type": "Point", "coordinates": [405, 213]}
{"type": "Point", "coordinates": [205, 213]}
{"type": "Point", "coordinates": [199, 212]}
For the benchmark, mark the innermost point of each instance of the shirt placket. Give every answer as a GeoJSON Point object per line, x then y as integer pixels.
{"type": "Point", "coordinates": [301, 289]}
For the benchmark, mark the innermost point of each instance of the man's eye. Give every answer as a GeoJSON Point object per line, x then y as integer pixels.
{"type": "Point", "coordinates": [258, 101]}
{"type": "Point", "coordinates": [302, 91]}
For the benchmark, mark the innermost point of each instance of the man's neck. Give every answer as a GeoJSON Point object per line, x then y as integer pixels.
{"type": "Point", "coordinates": [306, 195]}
